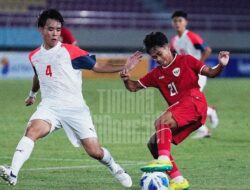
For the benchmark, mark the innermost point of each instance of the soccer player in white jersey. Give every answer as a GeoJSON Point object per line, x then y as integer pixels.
{"type": "Point", "coordinates": [188, 42]}
{"type": "Point", "coordinates": [58, 75]}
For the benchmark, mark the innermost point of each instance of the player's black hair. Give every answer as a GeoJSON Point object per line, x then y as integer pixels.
{"type": "Point", "coordinates": [49, 14]}
{"type": "Point", "coordinates": [154, 39]}
{"type": "Point", "coordinates": [180, 13]}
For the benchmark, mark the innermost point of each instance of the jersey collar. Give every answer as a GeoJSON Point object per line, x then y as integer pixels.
{"type": "Point", "coordinates": [164, 67]}
{"type": "Point", "coordinates": [58, 45]}
{"type": "Point", "coordinates": [184, 33]}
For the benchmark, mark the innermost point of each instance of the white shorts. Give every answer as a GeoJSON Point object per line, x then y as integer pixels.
{"type": "Point", "coordinates": [202, 82]}
{"type": "Point", "coordinates": [76, 122]}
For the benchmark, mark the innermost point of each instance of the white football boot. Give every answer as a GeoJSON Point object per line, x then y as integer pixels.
{"type": "Point", "coordinates": [122, 176]}
{"type": "Point", "coordinates": [6, 175]}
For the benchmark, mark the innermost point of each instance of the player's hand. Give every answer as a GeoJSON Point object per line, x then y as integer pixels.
{"type": "Point", "coordinates": [124, 74]}
{"type": "Point", "coordinates": [133, 60]}
{"type": "Point", "coordinates": [224, 57]}
{"type": "Point", "coordinates": [30, 100]}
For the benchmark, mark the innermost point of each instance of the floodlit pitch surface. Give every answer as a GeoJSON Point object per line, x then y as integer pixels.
{"type": "Point", "coordinates": [124, 121]}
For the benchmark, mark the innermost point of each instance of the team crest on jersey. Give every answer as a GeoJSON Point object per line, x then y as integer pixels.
{"type": "Point", "coordinates": [176, 72]}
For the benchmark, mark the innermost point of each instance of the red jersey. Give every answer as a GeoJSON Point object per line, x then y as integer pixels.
{"type": "Point", "coordinates": [176, 80]}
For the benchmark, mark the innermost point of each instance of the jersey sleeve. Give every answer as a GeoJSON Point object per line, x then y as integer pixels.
{"type": "Point", "coordinates": [197, 41]}
{"type": "Point", "coordinates": [31, 54]}
{"type": "Point", "coordinates": [195, 64]}
{"type": "Point", "coordinates": [80, 59]}
{"type": "Point", "coordinates": [148, 80]}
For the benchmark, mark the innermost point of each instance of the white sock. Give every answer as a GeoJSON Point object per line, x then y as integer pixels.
{"type": "Point", "coordinates": [23, 152]}
{"type": "Point", "coordinates": [108, 161]}
{"type": "Point", "coordinates": [178, 179]}
{"type": "Point", "coordinates": [164, 157]}
{"type": "Point", "coordinates": [210, 111]}
{"type": "Point", "coordinates": [214, 117]}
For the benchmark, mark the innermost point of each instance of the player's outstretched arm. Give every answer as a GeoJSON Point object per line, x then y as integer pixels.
{"type": "Point", "coordinates": [32, 95]}
{"type": "Point", "coordinates": [223, 59]}
{"type": "Point", "coordinates": [131, 85]}
{"type": "Point", "coordinates": [131, 62]}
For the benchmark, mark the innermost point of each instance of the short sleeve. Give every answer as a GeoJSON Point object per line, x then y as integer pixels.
{"type": "Point", "coordinates": [148, 80]}
{"type": "Point", "coordinates": [84, 62]}
{"type": "Point", "coordinates": [197, 41]}
{"type": "Point", "coordinates": [31, 54]}
{"type": "Point", "coordinates": [195, 64]}
{"type": "Point", "coordinates": [80, 59]}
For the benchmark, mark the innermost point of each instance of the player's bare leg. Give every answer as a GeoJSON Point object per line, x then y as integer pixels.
{"type": "Point", "coordinates": [163, 127]}
{"type": "Point", "coordinates": [93, 148]}
{"type": "Point", "coordinates": [36, 129]}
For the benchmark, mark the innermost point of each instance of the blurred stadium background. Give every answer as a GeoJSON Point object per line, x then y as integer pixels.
{"type": "Point", "coordinates": [118, 26]}
{"type": "Point", "coordinates": [113, 29]}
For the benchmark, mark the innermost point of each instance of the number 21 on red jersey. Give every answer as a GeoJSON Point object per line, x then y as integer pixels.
{"type": "Point", "coordinates": [172, 89]}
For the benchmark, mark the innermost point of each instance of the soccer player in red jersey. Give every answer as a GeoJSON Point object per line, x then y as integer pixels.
{"type": "Point", "coordinates": [177, 79]}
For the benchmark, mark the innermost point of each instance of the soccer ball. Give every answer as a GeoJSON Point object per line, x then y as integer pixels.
{"type": "Point", "coordinates": [154, 181]}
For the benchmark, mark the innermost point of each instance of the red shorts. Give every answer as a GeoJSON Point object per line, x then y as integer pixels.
{"type": "Point", "coordinates": [190, 113]}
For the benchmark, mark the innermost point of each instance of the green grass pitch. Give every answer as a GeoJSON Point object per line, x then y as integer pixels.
{"type": "Point", "coordinates": [124, 121]}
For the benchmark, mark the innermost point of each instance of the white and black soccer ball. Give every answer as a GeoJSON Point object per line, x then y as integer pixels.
{"type": "Point", "coordinates": [154, 181]}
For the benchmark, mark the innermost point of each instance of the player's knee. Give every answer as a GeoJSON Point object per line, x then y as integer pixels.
{"type": "Point", "coordinates": [159, 124]}
{"type": "Point", "coordinates": [95, 153]}
{"type": "Point", "coordinates": [35, 132]}
{"type": "Point", "coordinates": [32, 132]}
{"type": "Point", "coordinates": [93, 148]}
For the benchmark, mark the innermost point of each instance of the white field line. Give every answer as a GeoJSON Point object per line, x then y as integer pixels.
{"type": "Point", "coordinates": [69, 159]}
{"type": "Point", "coordinates": [124, 163]}
{"type": "Point", "coordinates": [76, 167]}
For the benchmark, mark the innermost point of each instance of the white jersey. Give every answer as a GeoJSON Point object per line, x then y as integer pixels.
{"type": "Point", "coordinates": [59, 74]}
{"type": "Point", "coordinates": [190, 43]}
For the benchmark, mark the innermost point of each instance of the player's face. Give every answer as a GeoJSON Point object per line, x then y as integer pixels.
{"type": "Point", "coordinates": [51, 33]}
{"type": "Point", "coordinates": [179, 24]}
{"type": "Point", "coordinates": [162, 55]}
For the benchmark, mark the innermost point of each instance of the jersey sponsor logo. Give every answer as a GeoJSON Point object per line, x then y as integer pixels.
{"type": "Point", "coordinates": [176, 72]}
{"type": "Point", "coordinates": [161, 77]}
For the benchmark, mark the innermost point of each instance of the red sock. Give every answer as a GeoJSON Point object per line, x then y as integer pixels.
{"type": "Point", "coordinates": [175, 171]}
{"type": "Point", "coordinates": [164, 139]}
